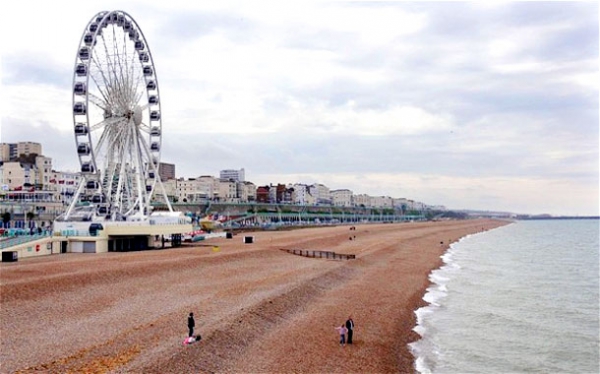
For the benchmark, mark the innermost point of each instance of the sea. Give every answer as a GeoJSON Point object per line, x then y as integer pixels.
{"type": "Point", "coordinates": [522, 298]}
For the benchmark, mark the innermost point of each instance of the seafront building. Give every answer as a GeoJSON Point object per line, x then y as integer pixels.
{"type": "Point", "coordinates": [236, 175]}
{"type": "Point", "coordinates": [321, 194]}
{"type": "Point", "coordinates": [31, 187]}
{"type": "Point", "coordinates": [341, 197]}
{"type": "Point", "coordinates": [12, 151]}
{"type": "Point", "coordinates": [166, 171]}
{"type": "Point", "coordinates": [302, 195]}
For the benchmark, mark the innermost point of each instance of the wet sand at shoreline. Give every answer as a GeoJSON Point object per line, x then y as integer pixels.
{"type": "Point", "coordinates": [258, 309]}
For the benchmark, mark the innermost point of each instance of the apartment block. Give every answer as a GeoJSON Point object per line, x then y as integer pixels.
{"type": "Point", "coordinates": [300, 193]}
{"type": "Point", "coordinates": [64, 184]}
{"type": "Point", "coordinates": [321, 194]}
{"type": "Point", "coordinates": [385, 202]}
{"type": "Point", "coordinates": [263, 194]}
{"type": "Point", "coordinates": [342, 197]}
{"type": "Point", "coordinates": [236, 175]}
{"type": "Point", "coordinates": [12, 151]}
{"type": "Point", "coordinates": [27, 148]}
{"type": "Point", "coordinates": [228, 191]}
{"type": "Point", "coordinates": [247, 191]}
{"type": "Point", "coordinates": [166, 171]}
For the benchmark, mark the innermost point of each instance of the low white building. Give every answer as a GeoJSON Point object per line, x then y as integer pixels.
{"type": "Point", "coordinates": [363, 200]}
{"type": "Point", "coordinates": [384, 202]}
{"type": "Point", "coordinates": [247, 191]}
{"type": "Point", "coordinates": [15, 174]}
{"type": "Point", "coordinates": [64, 184]}
{"type": "Point", "coordinates": [228, 191]}
{"type": "Point", "coordinates": [301, 194]}
{"type": "Point", "coordinates": [321, 194]}
{"type": "Point", "coordinates": [342, 197]}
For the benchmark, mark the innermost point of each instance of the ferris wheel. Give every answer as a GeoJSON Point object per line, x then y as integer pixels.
{"type": "Point", "coordinates": [116, 118]}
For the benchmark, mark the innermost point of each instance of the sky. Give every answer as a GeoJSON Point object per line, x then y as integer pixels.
{"type": "Point", "coordinates": [471, 105]}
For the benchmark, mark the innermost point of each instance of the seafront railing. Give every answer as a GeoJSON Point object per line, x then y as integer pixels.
{"type": "Point", "coordinates": [319, 254]}
{"type": "Point", "coordinates": [16, 240]}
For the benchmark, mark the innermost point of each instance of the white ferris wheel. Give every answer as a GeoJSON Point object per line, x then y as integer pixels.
{"type": "Point", "coordinates": [117, 120]}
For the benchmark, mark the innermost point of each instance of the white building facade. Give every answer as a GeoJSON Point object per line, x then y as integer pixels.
{"type": "Point", "coordinates": [363, 200]}
{"type": "Point", "coordinates": [321, 194]}
{"type": "Point", "coordinates": [384, 202]}
{"type": "Point", "coordinates": [236, 175]}
{"type": "Point", "coordinates": [342, 197]}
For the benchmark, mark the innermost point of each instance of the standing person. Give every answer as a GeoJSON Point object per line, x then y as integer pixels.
{"type": "Point", "coordinates": [350, 327]}
{"type": "Point", "coordinates": [191, 324]}
{"type": "Point", "coordinates": [342, 330]}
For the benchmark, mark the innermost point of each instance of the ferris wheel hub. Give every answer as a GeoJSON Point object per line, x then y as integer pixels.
{"type": "Point", "coordinates": [137, 115]}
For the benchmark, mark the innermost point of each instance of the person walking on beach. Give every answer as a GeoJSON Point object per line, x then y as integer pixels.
{"type": "Point", "coordinates": [350, 328]}
{"type": "Point", "coordinates": [191, 324]}
{"type": "Point", "coordinates": [342, 330]}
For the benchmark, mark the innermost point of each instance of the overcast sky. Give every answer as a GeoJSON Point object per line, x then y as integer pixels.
{"type": "Point", "coordinates": [490, 106]}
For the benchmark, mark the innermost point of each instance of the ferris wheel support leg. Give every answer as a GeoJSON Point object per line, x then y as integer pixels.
{"type": "Point", "coordinates": [164, 193]}
{"type": "Point", "coordinates": [136, 145]}
{"type": "Point", "coordinates": [119, 188]}
{"type": "Point", "coordinates": [82, 183]}
{"type": "Point", "coordinates": [155, 170]}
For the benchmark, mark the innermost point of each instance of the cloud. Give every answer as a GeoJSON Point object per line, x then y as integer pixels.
{"type": "Point", "coordinates": [463, 104]}
{"type": "Point", "coordinates": [34, 104]}
{"type": "Point", "coordinates": [513, 194]}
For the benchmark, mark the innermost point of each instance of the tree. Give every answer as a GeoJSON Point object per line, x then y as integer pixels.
{"type": "Point", "coordinates": [27, 158]}
{"type": "Point", "coordinates": [5, 218]}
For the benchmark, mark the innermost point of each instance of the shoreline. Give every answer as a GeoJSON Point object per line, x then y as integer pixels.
{"type": "Point", "coordinates": [258, 308]}
{"type": "Point", "coordinates": [431, 295]}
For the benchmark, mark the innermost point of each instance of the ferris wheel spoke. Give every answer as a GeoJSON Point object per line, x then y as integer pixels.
{"type": "Point", "coordinates": [98, 126]}
{"type": "Point", "coordinates": [103, 89]}
{"type": "Point", "coordinates": [113, 80]}
{"type": "Point", "coordinates": [136, 98]}
{"type": "Point", "coordinates": [145, 128]}
{"type": "Point", "coordinates": [118, 56]}
{"type": "Point", "coordinates": [108, 133]}
{"type": "Point", "coordinates": [132, 98]}
{"type": "Point", "coordinates": [111, 66]}
{"type": "Point", "coordinates": [120, 82]}
{"type": "Point", "coordinates": [125, 60]}
{"type": "Point", "coordinates": [149, 155]}
{"type": "Point", "coordinates": [108, 178]}
{"type": "Point", "coordinates": [107, 80]}
{"type": "Point", "coordinates": [102, 124]}
{"type": "Point", "coordinates": [145, 147]}
{"type": "Point", "coordinates": [117, 159]}
{"type": "Point", "coordinates": [131, 74]}
{"type": "Point", "coordinates": [98, 102]}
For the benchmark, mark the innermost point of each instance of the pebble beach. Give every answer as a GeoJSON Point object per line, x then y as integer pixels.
{"type": "Point", "coordinates": [258, 308]}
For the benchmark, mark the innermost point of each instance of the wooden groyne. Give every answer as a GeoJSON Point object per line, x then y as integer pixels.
{"type": "Point", "coordinates": [319, 254]}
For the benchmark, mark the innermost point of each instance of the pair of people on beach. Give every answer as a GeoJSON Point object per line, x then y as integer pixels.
{"type": "Point", "coordinates": [346, 329]}
{"type": "Point", "coordinates": [191, 323]}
